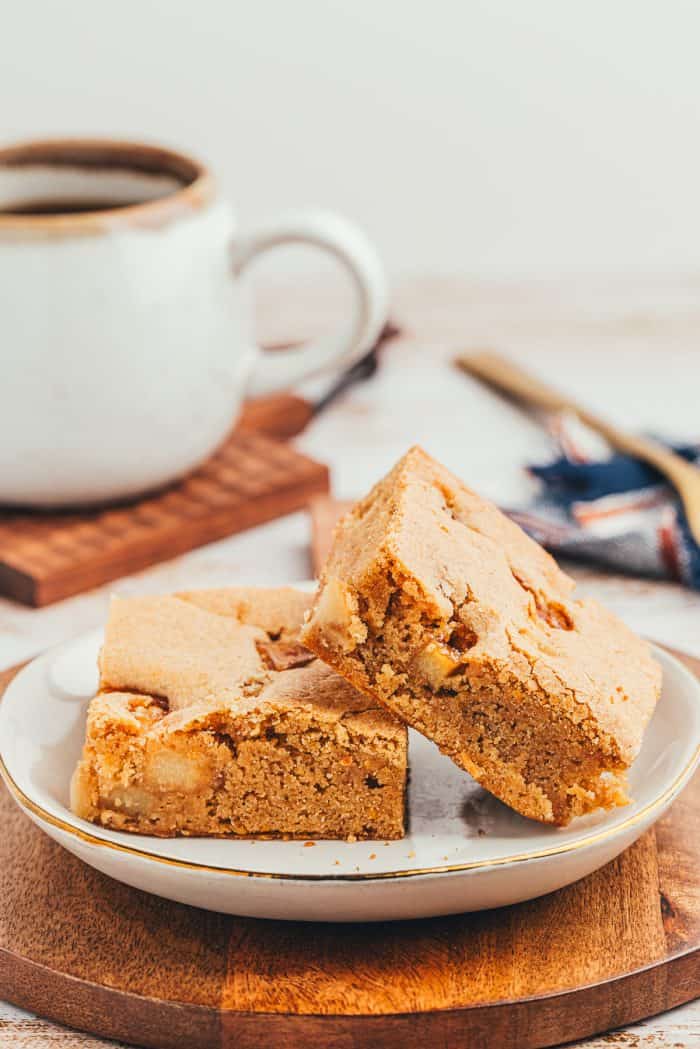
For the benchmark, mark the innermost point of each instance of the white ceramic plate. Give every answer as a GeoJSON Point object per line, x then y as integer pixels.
{"type": "Point", "coordinates": [464, 851]}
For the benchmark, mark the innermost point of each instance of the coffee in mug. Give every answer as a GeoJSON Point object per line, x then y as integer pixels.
{"type": "Point", "coordinates": [125, 346]}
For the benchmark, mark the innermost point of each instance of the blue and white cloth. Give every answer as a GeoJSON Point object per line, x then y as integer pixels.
{"type": "Point", "coordinates": [610, 509]}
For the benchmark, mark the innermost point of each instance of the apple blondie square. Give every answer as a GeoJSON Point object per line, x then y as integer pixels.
{"type": "Point", "coordinates": [213, 719]}
{"type": "Point", "coordinates": [436, 604]}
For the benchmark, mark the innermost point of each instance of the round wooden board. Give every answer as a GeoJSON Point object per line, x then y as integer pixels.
{"type": "Point", "coordinates": [84, 950]}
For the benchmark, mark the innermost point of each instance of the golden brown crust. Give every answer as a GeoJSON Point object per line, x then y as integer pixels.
{"type": "Point", "coordinates": [438, 605]}
{"type": "Point", "coordinates": [195, 732]}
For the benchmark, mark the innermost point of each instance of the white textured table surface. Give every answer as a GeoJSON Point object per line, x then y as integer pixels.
{"type": "Point", "coordinates": [628, 349]}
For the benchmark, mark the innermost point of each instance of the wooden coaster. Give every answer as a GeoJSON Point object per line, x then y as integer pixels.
{"type": "Point", "coordinates": [250, 480]}
{"type": "Point", "coordinates": [281, 415]}
{"type": "Point", "coordinates": [621, 944]}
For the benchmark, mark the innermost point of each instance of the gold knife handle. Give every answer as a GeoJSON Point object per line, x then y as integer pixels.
{"type": "Point", "coordinates": [502, 374]}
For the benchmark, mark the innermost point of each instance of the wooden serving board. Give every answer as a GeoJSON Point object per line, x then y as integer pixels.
{"type": "Point", "coordinates": [621, 944]}
{"type": "Point", "coordinates": [251, 479]}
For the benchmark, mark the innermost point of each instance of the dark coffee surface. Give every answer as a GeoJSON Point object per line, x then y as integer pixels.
{"type": "Point", "coordinates": [62, 207]}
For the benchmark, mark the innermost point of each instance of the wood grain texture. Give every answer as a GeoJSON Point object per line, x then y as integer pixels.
{"type": "Point", "coordinates": [250, 480]}
{"type": "Point", "coordinates": [622, 944]}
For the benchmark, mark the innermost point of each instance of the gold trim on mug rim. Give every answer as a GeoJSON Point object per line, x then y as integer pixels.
{"type": "Point", "coordinates": [196, 189]}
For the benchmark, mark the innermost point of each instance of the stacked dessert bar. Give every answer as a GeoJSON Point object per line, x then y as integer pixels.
{"type": "Point", "coordinates": [272, 713]}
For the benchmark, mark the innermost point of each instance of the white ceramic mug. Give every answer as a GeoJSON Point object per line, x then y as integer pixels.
{"type": "Point", "coordinates": [123, 344]}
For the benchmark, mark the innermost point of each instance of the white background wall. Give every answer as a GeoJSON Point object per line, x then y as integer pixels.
{"type": "Point", "coordinates": [482, 136]}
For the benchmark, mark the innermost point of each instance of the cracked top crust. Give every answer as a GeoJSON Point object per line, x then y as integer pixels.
{"type": "Point", "coordinates": [424, 532]}
{"type": "Point", "coordinates": [208, 651]}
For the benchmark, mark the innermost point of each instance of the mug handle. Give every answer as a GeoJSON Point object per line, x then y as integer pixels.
{"type": "Point", "coordinates": [348, 245]}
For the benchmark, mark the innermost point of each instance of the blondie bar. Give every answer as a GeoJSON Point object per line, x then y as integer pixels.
{"type": "Point", "coordinates": [433, 602]}
{"type": "Point", "coordinates": [212, 719]}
